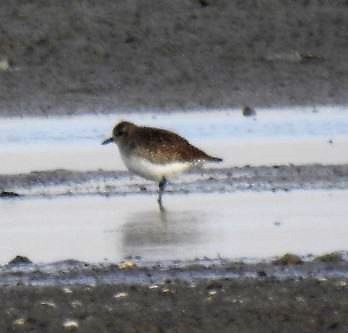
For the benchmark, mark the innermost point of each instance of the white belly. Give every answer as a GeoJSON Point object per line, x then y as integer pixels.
{"type": "Point", "coordinates": [154, 171]}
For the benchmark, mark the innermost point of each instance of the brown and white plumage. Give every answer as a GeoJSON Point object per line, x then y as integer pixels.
{"type": "Point", "coordinates": [157, 145]}
{"type": "Point", "coordinates": [156, 153]}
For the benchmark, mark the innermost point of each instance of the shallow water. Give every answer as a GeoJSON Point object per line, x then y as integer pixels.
{"type": "Point", "coordinates": [291, 135]}
{"type": "Point", "coordinates": [245, 225]}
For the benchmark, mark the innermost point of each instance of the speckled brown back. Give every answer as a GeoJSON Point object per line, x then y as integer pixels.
{"type": "Point", "coordinates": [162, 146]}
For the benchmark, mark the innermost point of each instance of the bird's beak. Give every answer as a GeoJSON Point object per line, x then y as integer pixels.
{"type": "Point", "coordinates": [107, 141]}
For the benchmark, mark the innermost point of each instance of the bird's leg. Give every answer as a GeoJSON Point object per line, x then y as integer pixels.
{"type": "Point", "coordinates": [162, 184]}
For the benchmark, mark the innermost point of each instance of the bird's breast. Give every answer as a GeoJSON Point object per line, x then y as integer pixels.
{"type": "Point", "coordinates": [154, 171]}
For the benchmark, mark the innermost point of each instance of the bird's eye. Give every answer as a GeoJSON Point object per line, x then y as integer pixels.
{"type": "Point", "coordinates": [120, 132]}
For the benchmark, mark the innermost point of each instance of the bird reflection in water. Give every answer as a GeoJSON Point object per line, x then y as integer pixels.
{"type": "Point", "coordinates": [160, 232]}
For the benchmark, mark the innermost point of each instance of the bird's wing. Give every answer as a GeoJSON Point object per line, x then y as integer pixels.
{"type": "Point", "coordinates": [162, 146]}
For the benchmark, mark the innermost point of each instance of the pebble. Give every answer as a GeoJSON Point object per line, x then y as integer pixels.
{"type": "Point", "coordinates": [20, 260]}
{"type": "Point", "coordinates": [48, 304]}
{"type": "Point", "coordinates": [4, 65]}
{"type": "Point", "coordinates": [76, 304]}
{"type": "Point", "coordinates": [19, 322]}
{"type": "Point", "coordinates": [300, 299]}
{"type": "Point", "coordinates": [67, 290]}
{"type": "Point", "coordinates": [127, 265]}
{"type": "Point", "coordinates": [121, 295]}
{"type": "Point", "coordinates": [321, 279]}
{"type": "Point", "coordinates": [248, 111]}
{"type": "Point", "coordinates": [341, 284]}
{"type": "Point", "coordinates": [153, 286]}
{"type": "Point", "coordinates": [71, 325]}
{"type": "Point", "coordinates": [167, 291]}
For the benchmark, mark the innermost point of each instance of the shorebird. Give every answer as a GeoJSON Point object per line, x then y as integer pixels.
{"type": "Point", "coordinates": [156, 154]}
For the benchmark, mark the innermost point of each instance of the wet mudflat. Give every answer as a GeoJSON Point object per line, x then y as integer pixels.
{"type": "Point", "coordinates": [241, 225]}
{"type": "Point", "coordinates": [280, 136]}
{"type": "Point", "coordinates": [247, 305]}
{"type": "Point", "coordinates": [254, 61]}
{"type": "Point", "coordinates": [57, 183]}
{"type": "Point", "coordinates": [106, 259]}
{"type": "Point", "coordinates": [140, 289]}
{"type": "Point", "coordinates": [139, 56]}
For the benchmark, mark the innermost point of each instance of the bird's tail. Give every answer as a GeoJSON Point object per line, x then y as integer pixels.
{"type": "Point", "coordinates": [214, 159]}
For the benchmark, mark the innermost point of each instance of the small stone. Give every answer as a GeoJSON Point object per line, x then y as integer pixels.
{"type": "Point", "coordinates": [261, 274]}
{"type": "Point", "coordinates": [248, 111]}
{"type": "Point", "coordinates": [20, 260]}
{"type": "Point", "coordinates": [71, 325]}
{"type": "Point", "coordinates": [4, 65]}
{"type": "Point", "coordinates": [19, 322]}
{"type": "Point", "coordinates": [48, 304]}
{"type": "Point", "coordinates": [334, 257]}
{"type": "Point", "coordinates": [167, 291]}
{"type": "Point", "coordinates": [121, 295]}
{"type": "Point", "coordinates": [288, 259]}
{"type": "Point", "coordinates": [76, 304]}
{"type": "Point", "coordinates": [341, 284]}
{"type": "Point", "coordinates": [9, 194]}
{"type": "Point", "coordinates": [127, 265]}
{"type": "Point", "coordinates": [153, 286]}
{"type": "Point", "coordinates": [67, 290]}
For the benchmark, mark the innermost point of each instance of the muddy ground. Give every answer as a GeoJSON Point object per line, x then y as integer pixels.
{"type": "Point", "coordinates": [84, 56]}
{"type": "Point", "coordinates": [291, 294]}
{"type": "Point", "coordinates": [227, 180]}
{"type": "Point", "coordinates": [242, 298]}
{"type": "Point", "coordinates": [224, 306]}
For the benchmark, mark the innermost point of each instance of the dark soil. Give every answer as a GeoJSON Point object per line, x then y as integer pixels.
{"type": "Point", "coordinates": [202, 296]}
{"type": "Point", "coordinates": [64, 57]}
{"type": "Point", "coordinates": [222, 306]}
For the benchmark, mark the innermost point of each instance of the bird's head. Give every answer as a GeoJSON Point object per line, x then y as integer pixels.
{"type": "Point", "coordinates": [120, 132]}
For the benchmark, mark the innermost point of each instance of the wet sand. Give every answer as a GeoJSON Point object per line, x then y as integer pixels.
{"type": "Point", "coordinates": [108, 57]}
{"type": "Point", "coordinates": [177, 299]}
{"type": "Point", "coordinates": [55, 183]}
{"type": "Point", "coordinates": [158, 295]}
{"type": "Point", "coordinates": [226, 306]}
{"type": "Point", "coordinates": [101, 213]}
{"type": "Point", "coordinates": [253, 153]}
{"type": "Point", "coordinates": [248, 226]}
{"type": "Point", "coordinates": [74, 58]}
{"type": "Point", "coordinates": [277, 136]}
